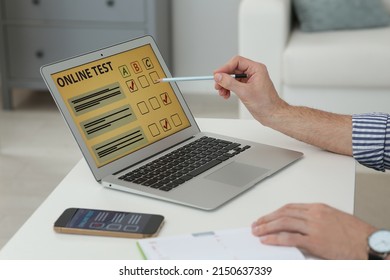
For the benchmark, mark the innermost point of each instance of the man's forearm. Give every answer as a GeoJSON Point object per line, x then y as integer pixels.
{"type": "Point", "coordinates": [329, 131]}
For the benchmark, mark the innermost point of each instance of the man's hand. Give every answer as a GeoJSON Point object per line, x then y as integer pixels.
{"type": "Point", "coordinates": [256, 92]}
{"type": "Point", "coordinates": [317, 229]}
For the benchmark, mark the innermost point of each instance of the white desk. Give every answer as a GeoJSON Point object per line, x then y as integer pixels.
{"type": "Point", "coordinates": [318, 177]}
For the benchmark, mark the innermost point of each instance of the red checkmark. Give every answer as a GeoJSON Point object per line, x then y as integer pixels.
{"type": "Point", "coordinates": [165, 98]}
{"type": "Point", "coordinates": [165, 125]}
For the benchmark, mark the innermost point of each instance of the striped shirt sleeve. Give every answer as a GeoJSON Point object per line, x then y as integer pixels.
{"type": "Point", "coordinates": [371, 140]}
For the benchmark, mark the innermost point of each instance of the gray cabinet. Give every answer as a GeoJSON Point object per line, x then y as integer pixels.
{"type": "Point", "coordinates": [37, 32]}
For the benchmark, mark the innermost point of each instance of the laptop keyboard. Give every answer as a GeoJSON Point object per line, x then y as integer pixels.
{"type": "Point", "coordinates": [185, 163]}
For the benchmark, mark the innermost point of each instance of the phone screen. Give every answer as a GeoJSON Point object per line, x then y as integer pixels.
{"type": "Point", "coordinates": [92, 219]}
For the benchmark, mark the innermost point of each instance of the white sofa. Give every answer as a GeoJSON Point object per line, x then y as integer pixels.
{"type": "Point", "coordinates": [339, 71]}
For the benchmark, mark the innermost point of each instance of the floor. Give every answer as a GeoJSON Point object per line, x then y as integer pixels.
{"type": "Point", "coordinates": [37, 151]}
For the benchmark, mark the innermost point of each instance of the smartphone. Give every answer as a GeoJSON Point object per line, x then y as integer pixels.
{"type": "Point", "coordinates": [108, 223]}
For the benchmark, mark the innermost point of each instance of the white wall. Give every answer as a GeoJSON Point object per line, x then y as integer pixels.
{"type": "Point", "coordinates": [204, 38]}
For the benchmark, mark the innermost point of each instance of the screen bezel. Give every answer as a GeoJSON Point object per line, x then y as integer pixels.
{"type": "Point", "coordinates": [135, 157]}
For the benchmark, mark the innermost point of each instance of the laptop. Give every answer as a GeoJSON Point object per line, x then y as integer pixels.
{"type": "Point", "coordinates": [138, 135]}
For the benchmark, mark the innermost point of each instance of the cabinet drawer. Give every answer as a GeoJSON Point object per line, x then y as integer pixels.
{"type": "Point", "coordinates": [30, 48]}
{"type": "Point", "coordinates": [80, 10]}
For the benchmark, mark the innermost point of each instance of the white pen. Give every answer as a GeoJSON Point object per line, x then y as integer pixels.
{"type": "Point", "coordinates": [198, 78]}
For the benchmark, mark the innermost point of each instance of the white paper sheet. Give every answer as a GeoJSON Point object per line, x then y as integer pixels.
{"type": "Point", "coordinates": [232, 244]}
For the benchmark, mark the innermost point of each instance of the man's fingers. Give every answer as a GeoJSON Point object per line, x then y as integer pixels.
{"type": "Point", "coordinates": [295, 210]}
{"type": "Point", "coordinates": [229, 83]}
{"type": "Point", "coordinates": [281, 224]}
{"type": "Point", "coordinates": [285, 239]}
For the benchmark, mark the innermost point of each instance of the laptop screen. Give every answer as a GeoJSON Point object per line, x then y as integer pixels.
{"type": "Point", "coordinates": [118, 105]}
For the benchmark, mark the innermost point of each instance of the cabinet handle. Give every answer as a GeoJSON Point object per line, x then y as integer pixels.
{"type": "Point", "coordinates": [36, 2]}
{"type": "Point", "coordinates": [110, 3]}
{"type": "Point", "coordinates": [39, 54]}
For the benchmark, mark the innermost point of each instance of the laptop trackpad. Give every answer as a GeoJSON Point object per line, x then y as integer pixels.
{"type": "Point", "coordinates": [237, 174]}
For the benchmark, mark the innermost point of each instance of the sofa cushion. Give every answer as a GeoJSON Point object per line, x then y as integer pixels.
{"type": "Point", "coordinates": [324, 15]}
{"type": "Point", "coordinates": [357, 58]}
